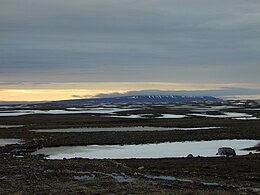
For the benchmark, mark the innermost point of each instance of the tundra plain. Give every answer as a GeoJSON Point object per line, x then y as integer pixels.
{"type": "Point", "coordinates": [34, 127]}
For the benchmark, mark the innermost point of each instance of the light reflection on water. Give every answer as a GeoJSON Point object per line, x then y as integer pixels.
{"type": "Point", "coordinates": [161, 150]}
{"type": "Point", "coordinates": [76, 111]}
{"type": "Point", "coordinates": [138, 128]}
{"type": "Point", "coordinates": [4, 142]}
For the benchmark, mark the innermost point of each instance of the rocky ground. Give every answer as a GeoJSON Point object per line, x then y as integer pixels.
{"type": "Point", "coordinates": [35, 175]}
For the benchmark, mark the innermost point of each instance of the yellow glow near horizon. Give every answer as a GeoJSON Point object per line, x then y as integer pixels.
{"type": "Point", "coordinates": [62, 91]}
{"type": "Point", "coordinates": [48, 94]}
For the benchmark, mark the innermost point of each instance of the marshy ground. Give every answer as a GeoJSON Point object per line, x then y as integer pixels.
{"type": "Point", "coordinates": [23, 173]}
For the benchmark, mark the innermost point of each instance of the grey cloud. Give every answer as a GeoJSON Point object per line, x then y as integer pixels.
{"type": "Point", "coordinates": [130, 40]}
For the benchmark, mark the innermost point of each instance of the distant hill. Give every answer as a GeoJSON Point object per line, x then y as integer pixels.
{"type": "Point", "coordinates": [222, 92]}
{"type": "Point", "coordinates": [141, 99]}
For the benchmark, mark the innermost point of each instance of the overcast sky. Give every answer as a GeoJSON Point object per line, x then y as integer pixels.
{"type": "Point", "coordinates": [181, 41]}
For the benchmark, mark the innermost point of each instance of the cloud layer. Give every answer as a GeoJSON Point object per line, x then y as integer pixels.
{"type": "Point", "coordinates": [130, 40]}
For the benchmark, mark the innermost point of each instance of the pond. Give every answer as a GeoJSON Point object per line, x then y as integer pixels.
{"type": "Point", "coordinates": [10, 126]}
{"type": "Point", "coordinates": [4, 142]}
{"type": "Point", "coordinates": [233, 115]}
{"type": "Point", "coordinates": [160, 150]}
{"type": "Point", "coordinates": [138, 128]}
{"type": "Point", "coordinates": [68, 111]}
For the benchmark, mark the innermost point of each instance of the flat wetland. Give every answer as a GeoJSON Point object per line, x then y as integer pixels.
{"type": "Point", "coordinates": [24, 173]}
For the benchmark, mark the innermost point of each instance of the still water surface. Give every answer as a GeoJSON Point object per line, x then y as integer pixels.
{"type": "Point", "coordinates": [161, 150]}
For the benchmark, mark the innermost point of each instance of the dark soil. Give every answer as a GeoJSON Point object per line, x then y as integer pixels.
{"type": "Point", "coordinates": [34, 175]}
{"type": "Point", "coordinates": [24, 174]}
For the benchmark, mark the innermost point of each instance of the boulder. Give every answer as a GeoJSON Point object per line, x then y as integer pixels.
{"type": "Point", "coordinates": [226, 151]}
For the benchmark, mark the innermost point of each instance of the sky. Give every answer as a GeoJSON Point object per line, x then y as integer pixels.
{"type": "Point", "coordinates": [61, 49]}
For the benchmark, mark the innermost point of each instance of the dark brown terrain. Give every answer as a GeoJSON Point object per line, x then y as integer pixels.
{"type": "Point", "coordinates": [23, 173]}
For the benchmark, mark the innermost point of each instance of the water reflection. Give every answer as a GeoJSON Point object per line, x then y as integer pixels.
{"type": "Point", "coordinates": [161, 150]}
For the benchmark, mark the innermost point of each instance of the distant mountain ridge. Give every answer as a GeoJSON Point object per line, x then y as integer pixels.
{"type": "Point", "coordinates": [141, 99]}
{"type": "Point", "coordinates": [222, 92]}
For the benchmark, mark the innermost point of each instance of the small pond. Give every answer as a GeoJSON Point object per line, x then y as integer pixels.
{"type": "Point", "coordinates": [138, 128]}
{"type": "Point", "coordinates": [10, 126]}
{"type": "Point", "coordinates": [4, 142]}
{"type": "Point", "coordinates": [161, 150]}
